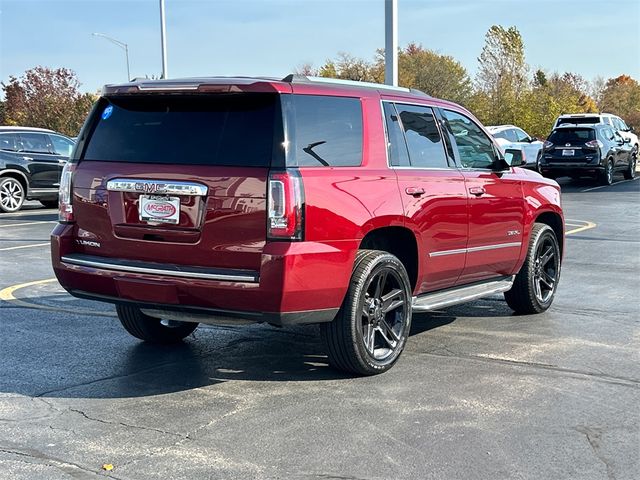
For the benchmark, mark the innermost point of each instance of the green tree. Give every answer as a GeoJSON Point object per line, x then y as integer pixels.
{"type": "Point", "coordinates": [502, 78]}
{"type": "Point", "coordinates": [46, 98]}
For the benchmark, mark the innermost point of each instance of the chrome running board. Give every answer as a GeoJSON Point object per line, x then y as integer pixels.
{"type": "Point", "coordinates": [454, 296]}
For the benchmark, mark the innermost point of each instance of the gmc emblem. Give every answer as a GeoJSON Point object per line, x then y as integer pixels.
{"type": "Point", "coordinates": [149, 187]}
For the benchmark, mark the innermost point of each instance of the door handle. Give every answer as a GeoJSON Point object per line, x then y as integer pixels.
{"type": "Point", "coordinates": [28, 159]}
{"type": "Point", "coordinates": [414, 191]}
{"type": "Point", "coordinates": [477, 191]}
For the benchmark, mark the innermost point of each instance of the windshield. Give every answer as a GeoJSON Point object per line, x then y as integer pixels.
{"type": "Point", "coordinates": [234, 129]}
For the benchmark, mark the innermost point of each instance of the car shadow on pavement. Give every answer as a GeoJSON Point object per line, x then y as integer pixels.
{"type": "Point", "coordinates": [103, 362]}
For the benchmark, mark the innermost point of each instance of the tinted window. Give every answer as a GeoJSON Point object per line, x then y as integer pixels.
{"type": "Point", "coordinates": [61, 146]}
{"type": "Point", "coordinates": [521, 136]}
{"type": "Point", "coordinates": [326, 131]}
{"type": "Point", "coordinates": [397, 147]}
{"type": "Point", "coordinates": [474, 147]}
{"type": "Point", "coordinates": [572, 136]}
{"type": "Point", "coordinates": [8, 141]}
{"type": "Point", "coordinates": [579, 121]}
{"type": "Point", "coordinates": [35, 143]}
{"type": "Point", "coordinates": [234, 129]}
{"type": "Point", "coordinates": [423, 137]}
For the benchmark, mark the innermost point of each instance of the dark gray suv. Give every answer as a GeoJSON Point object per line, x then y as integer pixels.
{"type": "Point", "coordinates": [596, 151]}
{"type": "Point", "coordinates": [31, 161]}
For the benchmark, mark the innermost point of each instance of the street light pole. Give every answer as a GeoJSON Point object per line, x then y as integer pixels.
{"type": "Point", "coordinates": [391, 42]}
{"type": "Point", "coordinates": [119, 44]}
{"type": "Point", "coordinates": [163, 39]}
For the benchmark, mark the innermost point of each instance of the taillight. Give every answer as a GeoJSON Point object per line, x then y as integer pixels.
{"type": "Point", "coordinates": [65, 211]}
{"type": "Point", "coordinates": [547, 145]}
{"type": "Point", "coordinates": [594, 144]}
{"type": "Point", "coordinates": [285, 213]}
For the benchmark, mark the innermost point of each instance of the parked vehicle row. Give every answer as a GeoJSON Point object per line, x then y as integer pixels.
{"type": "Point", "coordinates": [597, 145]}
{"type": "Point", "coordinates": [31, 162]}
{"type": "Point", "coordinates": [346, 204]}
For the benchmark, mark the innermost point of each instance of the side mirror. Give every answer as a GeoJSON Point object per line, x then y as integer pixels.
{"type": "Point", "coordinates": [513, 157]}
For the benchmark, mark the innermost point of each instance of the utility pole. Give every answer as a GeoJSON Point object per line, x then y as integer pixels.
{"type": "Point", "coordinates": [391, 42]}
{"type": "Point", "coordinates": [163, 38]}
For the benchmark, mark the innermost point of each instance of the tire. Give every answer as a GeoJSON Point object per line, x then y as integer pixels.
{"type": "Point", "coordinates": [49, 203]}
{"type": "Point", "coordinates": [630, 172]}
{"type": "Point", "coordinates": [606, 178]}
{"type": "Point", "coordinates": [528, 295]}
{"type": "Point", "coordinates": [371, 329]}
{"type": "Point", "coordinates": [12, 195]}
{"type": "Point", "coordinates": [152, 329]}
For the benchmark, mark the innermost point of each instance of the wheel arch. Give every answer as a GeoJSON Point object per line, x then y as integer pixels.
{"type": "Point", "coordinates": [18, 175]}
{"type": "Point", "coordinates": [398, 241]}
{"type": "Point", "coordinates": [554, 220]}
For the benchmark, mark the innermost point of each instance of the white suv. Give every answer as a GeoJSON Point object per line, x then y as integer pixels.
{"type": "Point", "coordinates": [512, 137]}
{"type": "Point", "coordinates": [607, 118]}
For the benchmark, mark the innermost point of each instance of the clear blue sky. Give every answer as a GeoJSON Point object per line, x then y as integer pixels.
{"type": "Point", "coordinates": [272, 37]}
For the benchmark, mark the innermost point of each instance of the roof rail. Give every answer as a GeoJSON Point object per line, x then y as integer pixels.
{"type": "Point", "coordinates": [296, 78]}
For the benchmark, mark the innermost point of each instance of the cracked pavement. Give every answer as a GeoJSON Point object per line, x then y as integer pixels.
{"type": "Point", "coordinates": [478, 393]}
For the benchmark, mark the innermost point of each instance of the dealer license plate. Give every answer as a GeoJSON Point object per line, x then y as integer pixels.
{"type": "Point", "coordinates": [154, 208]}
{"type": "Point", "coordinates": [568, 153]}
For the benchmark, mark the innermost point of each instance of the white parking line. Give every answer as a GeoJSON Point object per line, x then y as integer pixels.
{"type": "Point", "coordinates": [25, 213]}
{"type": "Point", "coordinates": [25, 246]}
{"type": "Point", "coordinates": [603, 186]}
{"type": "Point", "coordinates": [27, 223]}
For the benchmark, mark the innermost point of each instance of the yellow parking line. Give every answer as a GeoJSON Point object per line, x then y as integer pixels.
{"type": "Point", "coordinates": [26, 223]}
{"type": "Point", "coordinates": [7, 294]}
{"type": "Point", "coordinates": [588, 226]}
{"type": "Point", "coordinates": [24, 246]}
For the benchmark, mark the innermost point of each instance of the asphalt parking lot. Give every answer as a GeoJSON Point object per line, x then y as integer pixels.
{"type": "Point", "coordinates": [478, 393]}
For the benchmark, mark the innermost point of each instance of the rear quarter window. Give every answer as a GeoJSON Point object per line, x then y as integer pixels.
{"type": "Point", "coordinates": [233, 130]}
{"type": "Point", "coordinates": [324, 131]}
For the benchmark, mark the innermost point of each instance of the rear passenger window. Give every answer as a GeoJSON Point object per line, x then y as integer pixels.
{"type": "Point", "coordinates": [397, 147]}
{"type": "Point", "coordinates": [8, 141]}
{"type": "Point", "coordinates": [35, 143]}
{"type": "Point", "coordinates": [474, 147]}
{"type": "Point", "coordinates": [426, 149]}
{"type": "Point", "coordinates": [326, 131]}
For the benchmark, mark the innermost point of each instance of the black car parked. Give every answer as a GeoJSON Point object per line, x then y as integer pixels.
{"type": "Point", "coordinates": [31, 161]}
{"type": "Point", "coordinates": [587, 150]}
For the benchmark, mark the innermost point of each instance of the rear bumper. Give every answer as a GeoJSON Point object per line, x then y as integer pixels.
{"type": "Point", "coordinates": [561, 169]}
{"type": "Point", "coordinates": [298, 283]}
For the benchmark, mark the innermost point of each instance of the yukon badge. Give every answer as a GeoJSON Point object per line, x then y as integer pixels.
{"type": "Point", "coordinates": [88, 243]}
{"type": "Point", "coordinates": [513, 233]}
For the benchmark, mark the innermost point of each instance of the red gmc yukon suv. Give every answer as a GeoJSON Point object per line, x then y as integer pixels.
{"type": "Point", "coordinates": [299, 201]}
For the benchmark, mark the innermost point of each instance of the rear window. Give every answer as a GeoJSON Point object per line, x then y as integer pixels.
{"type": "Point", "coordinates": [572, 135]}
{"type": "Point", "coordinates": [324, 131]}
{"type": "Point", "coordinates": [579, 121]}
{"type": "Point", "coordinates": [234, 130]}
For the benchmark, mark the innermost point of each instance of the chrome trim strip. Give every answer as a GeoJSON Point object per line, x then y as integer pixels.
{"type": "Point", "coordinates": [433, 301]}
{"type": "Point", "coordinates": [475, 249]}
{"type": "Point", "coordinates": [156, 186]}
{"type": "Point", "coordinates": [168, 87]}
{"type": "Point", "coordinates": [159, 271]}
